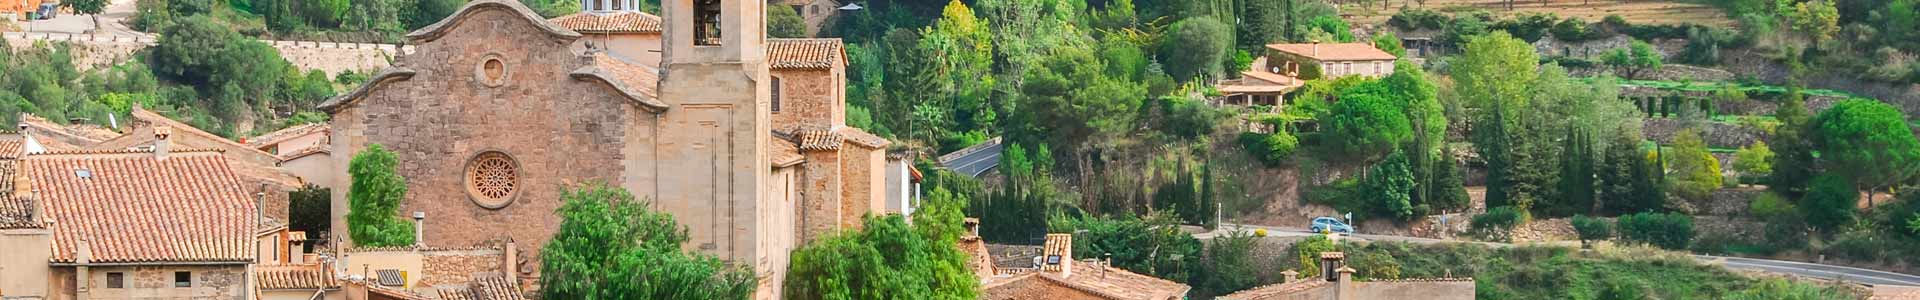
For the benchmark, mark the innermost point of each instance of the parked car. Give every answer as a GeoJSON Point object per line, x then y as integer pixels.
{"type": "Point", "coordinates": [47, 11]}
{"type": "Point", "coordinates": [1330, 224]}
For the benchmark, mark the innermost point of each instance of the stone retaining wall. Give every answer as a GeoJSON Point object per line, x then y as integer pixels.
{"type": "Point", "coordinates": [93, 51]}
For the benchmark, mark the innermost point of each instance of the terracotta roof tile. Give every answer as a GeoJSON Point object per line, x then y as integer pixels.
{"type": "Point", "coordinates": [488, 288]}
{"type": "Point", "coordinates": [16, 211]}
{"type": "Point", "coordinates": [816, 139]}
{"type": "Point", "coordinates": [1334, 51]}
{"type": "Point", "coordinates": [785, 153]}
{"type": "Point", "coordinates": [55, 136]}
{"type": "Point", "coordinates": [295, 277]}
{"type": "Point", "coordinates": [1277, 290]}
{"type": "Point", "coordinates": [805, 53]}
{"type": "Point", "coordinates": [1106, 282]}
{"type": "Point", "coordinates": [861, 137]}
{"type": "Point", "coordinates": [134, 208]}
{"type": "Point", "coordinates": [11, 148]}
{"type": "Point", "coordinates": [610, 22]}
{"type": "Point", "coordinates": [282, 135]}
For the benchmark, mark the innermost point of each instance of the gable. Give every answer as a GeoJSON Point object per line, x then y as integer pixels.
{"type": "Point", "coordinates": [467, 13]}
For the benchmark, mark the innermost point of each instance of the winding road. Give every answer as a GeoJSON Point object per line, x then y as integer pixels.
{"type": "Point", "coordinates": [975, 160]}
{"type": "Point", "coordinates": [1810, 270]}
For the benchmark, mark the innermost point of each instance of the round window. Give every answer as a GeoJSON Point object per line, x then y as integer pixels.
{"type": "Point", "coordinates": [492, 179]}
{"type": "Point", "coordinates": [491, 71]}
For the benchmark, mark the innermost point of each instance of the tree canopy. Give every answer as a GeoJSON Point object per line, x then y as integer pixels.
{"type": "Point", "coordinates": [374, 200]}
{"type": "Point", "coordinates": [611, 246]}
{"type": "Point", "coordinates": [1868, 142]}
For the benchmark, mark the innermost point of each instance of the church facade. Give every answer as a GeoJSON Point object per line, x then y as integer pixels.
{"type": "Point", "coordinates": [742, 138]}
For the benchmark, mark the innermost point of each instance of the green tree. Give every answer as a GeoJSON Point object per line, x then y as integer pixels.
{"type": "Point", "coordinates": [1389, 43]}
{"type": "Point", "coordinates": [1194, 48]}
{"type": "Point", "coordinates": [374, 200]}
{"type": "Point", "coordinates": [1697, 171]}
{"type": "Point", "coordinates": [324, 13]}
{"type": "Point", "coordinates": [1262, 23]}
{"type": "Point", "coordinates": [1576, 188]}
{"type": "Point", "coordinates": [1671, 231]}
{"type": "Point", "coordinates": [1756, 158]}
{"type": "Point", "coordinates": [611, 246]}
{"type": "Point", "coordinates": [1492, 77]}
{"type": "Point", "coordinates": [1390, 184]}
{"type": "Point", "coordinates": [86, 7]}
{"type": "Point", "coordinates": [426, 12]}
{"type": "Point", "coordinates": [783, 22]}
{"type": "Point", "coordinates": [1868, 142]}
{"type": "Point", "coordinates": [961, 46]}
{"type": "Point", "coordinates": [1153, 245]}
{"type": "Point", "coordinates": [1330, 29]}
{"type": "Point", "coordinates": [1307, 252]}
{"type": "Point", "coordinates": [1793, 163]}
{"type": "Point", "coordinates": [1631, 62]}
{"type": "Point", "coordinates": [1830, 201]}
{"type": "Point", "coordinates": [886, 259]}
{"type": "Point", "coordinates": [1229, 264]}
{"type": "Point", "coordinates": [310, 209]}
{"type": "Point", "coordinates": [1366, 126]}
{"type": "Point", "coordinates": [1901, 22]}
{"type": "Point", "coordinates": [1591, 229]}
{"type": "Point", "coordinates": [1628, 180]}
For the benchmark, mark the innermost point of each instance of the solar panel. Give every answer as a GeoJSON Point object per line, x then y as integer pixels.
{"type": "Point", "coordinates": [1053, 259]}
{"type": "Point", "coordinates": [391, 277]}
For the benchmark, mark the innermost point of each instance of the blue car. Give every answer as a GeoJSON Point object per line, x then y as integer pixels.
{"type": "Point", "coordinates": [1330, 224]}
{"type": "Point", "coordinates": [47, 11]}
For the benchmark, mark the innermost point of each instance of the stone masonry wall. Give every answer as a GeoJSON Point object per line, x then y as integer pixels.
{"type": "Point", "coordinates": [459, 266]}
{"type": "Point", "coordinates": [808, 97]}
{"type": "Point", "coordinates": [154, 282]}
{"type": "Point", "coordinates": [559, 131]}
{"type": "Point", "coordinates": [95, 51]}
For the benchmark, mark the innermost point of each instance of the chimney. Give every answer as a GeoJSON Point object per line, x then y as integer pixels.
{"type": "Point", "coordinates": [1057, 255]}
{"type": "Point", "coordinates": [83, 254]}
{"type": "Point", "coordinates": [1345, 289]}
{"type": "Point", "coordinates": [420, 228]}
{"type": "Point", "coordinates": [162, 140]}
{"type": "Point", "coordinates": [1316, 49]}
{"type": "Point", "coordinates": [1330, 265]}
{"type": "Point", "coordinates": [511, 266]}
{"type": "Point", "coordinates": [972, 226]}
{"type": "Point", "coordinates": [1289, 276]}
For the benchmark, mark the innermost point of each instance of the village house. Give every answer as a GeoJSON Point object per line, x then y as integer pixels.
{"type": "Point", "coordinates": [815, 12]}
{"type": "Point", "coordinates": [113, 224]}
{"type": "Point", "coordinates": [1060, 277]}
{"type": "Point", "coordinates": [742, 137]}
{"type": "Point", "coordinates": [1336, 282]}
{"type": "Point", "coordinates": [1284, 67]}
{"type": "Point", "coordinates": [301, 151]}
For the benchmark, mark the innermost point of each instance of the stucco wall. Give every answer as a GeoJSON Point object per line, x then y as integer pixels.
{"type": "Point", "coordinates": [1430, 290]}
{"type": "Point", "coordinates": [364, 263]}
{"type": "Point", "coordinates": [23, 270]}
{"type": "Point", "coordinates": [316, 169]}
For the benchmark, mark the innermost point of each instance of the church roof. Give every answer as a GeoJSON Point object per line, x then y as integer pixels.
{"type": "Point", "coordinates": [785, 153]}
{"type": "Point", "coordinates": [806, 53]}
{"type": "Point", "coordinates": [139, 207]}
{"type": "Point", "coordinates": [632, 82]}
{"type": "Point", "coordinates": [387, 76]}
{"type": "Point", "coordinates": [610, 22]}
{"type": "Point", "coordinates": [439, 29]}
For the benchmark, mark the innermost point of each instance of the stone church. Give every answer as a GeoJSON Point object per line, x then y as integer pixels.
{"type": "Point", "coordinates": [742, 138]}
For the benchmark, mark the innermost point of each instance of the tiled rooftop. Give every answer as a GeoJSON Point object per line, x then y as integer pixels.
{"type": "Point", "coordinates": [283, 135]}
{"type": "Point", "coordinates": [1334, 51]}
{"type": "Point", "coordinates": [609, 22]}
{"type": "Point", "coordinates": [133, 207]}
{"type": "Point", "coordinates": [295, 277]}
{"type": "Point", "coordinates": [486, 288]}
{"type": "Point", "coordinates": [805, 53]}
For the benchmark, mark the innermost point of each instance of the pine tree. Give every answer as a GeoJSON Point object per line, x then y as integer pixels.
{"type": "Point", "coordinates": [1793, 164]}
{"type": "Point", "coordinates": [1621, 175]}
{"type": "Point", "coordinates": [1493, 148]}
{"type": "Point", "coordinates": [1576, 177]}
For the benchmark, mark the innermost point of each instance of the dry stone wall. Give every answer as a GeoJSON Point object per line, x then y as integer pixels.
{"type": "Point", "coordinates": [96, 51]}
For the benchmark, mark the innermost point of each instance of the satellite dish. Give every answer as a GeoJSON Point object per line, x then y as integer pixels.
{"type": "Point", "coordinates": [852, 7]}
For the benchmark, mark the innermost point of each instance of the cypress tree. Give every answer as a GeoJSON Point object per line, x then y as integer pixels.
{"type": "Point", "coordinates": [1499, 162]}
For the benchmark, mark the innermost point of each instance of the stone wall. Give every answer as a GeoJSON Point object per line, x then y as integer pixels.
{"type": "Point", "coordinates": [558, 131]}
{"type": "Point", "coordinates": [153, 282]}
{"type": "Point", "coordinates": [458, 266]}
{"type": "Point", "coordinates": [1414, 289]}
{"type": "Point", "coordinates": [1717, 135]}
{"type": "Point", "coordinates": [94, 51]}
{"type": "Point", "coordinates": [809, 97]}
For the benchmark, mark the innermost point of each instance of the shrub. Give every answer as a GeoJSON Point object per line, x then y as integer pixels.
{"type": "Point", "coordinates": [1771, 205]}
{"type": "Point", "coordinates": [1592, 229]}
{"type": "Point", "coordinates": [1756, 158]}
{"type": "Point", "coordinates": [1830, 201]}
{"type": "Point", "coordinates": [1665, 230]}
{"type": "Point", "coordinates": [1415, 19]}
{"type": "Point", "coordinates": [1307, 253]}
{"type": "Point", "coordinates": [1498, 223]}
{"type": "Point", "coordinates": [1272, 149]}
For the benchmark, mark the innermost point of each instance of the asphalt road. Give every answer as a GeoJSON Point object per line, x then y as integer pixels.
{"type": "Point", "coordinates": [986, 157]}
{"type": "Point", "coordinates": [109, 22]}
{"type": "Point", "coordinates": [1811, 270]}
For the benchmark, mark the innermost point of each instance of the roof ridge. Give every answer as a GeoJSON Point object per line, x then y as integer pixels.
{"type": "Point", "coordinates": [123, 151]}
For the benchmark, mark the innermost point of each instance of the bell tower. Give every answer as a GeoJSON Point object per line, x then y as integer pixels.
{"type": "Point", "coordinates": [712, 158]}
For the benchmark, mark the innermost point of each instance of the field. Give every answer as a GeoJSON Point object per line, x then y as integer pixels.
{"type": "Point", "coordinates": [1636, 12]}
